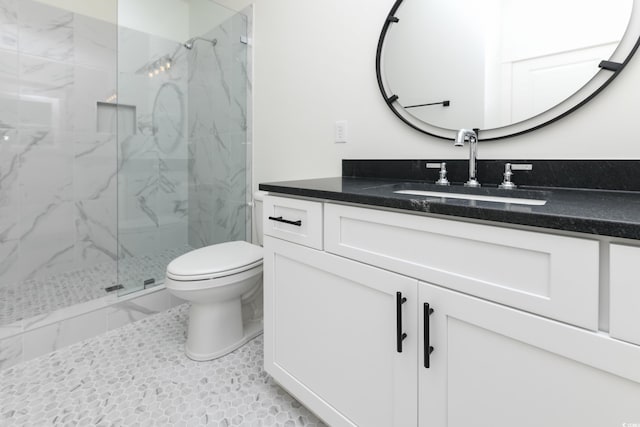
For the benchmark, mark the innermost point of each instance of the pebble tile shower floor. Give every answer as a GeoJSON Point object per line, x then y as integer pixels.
{"type": "Point", "coordinates": [138, 375]}
{"type": "Point", "coordinates": [44, 295]}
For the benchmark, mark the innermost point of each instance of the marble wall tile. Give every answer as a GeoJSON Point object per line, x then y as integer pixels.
{"type": "Point", "coordinates": [95, 166]}
{"type": "Point", "coordinates": [172, 188]}
{"type": "Point", "coordinates": [218, 126]}
{"type": "Point", "coordinates": [10, 329]}
{"type": "Point", "coordinates": [95, 43]}
{"type": "Point", "coordinates": [228, 221]}
{"type": "Point", "coordinates": [10, 351]}
{"type": "Point", "coordinates": [129, 311]}
{"type": "Point", "coordinates": [47, 245]}
{"type": "Point", "coordinates": [61, 334]}
{"type": "Point", "coordinates": [45, 153]}
{"type": "Point", "coordinates": [9, 89]}
{"type": "Point", "coordinates": [45, 90]}
{"type": "Point", "coordinates": [40, 341]}
{"type": "Point", "coordinates": [9, 24]}
{"type": "Point", "coordinates": [82, 327]}
{"type": "Point", "coordinates": [45, 31]}
{"type": "Point", "coordinates": [132, 47]}
{"type": "Point", "coordinates": [10, 273]}
{"type": "Point", "coordinates": [96, 232]}
{"type": "Point", "coordinates": [135, 90]}
{"type": "Point", "coordinates": [201, 111]}
{"type": "Point", "coordinates": [9, 189]}
{"type": "Point", "coordinates": [169, 120]}
{"type": "Point", "coordinates": [224, 34]}
{"type": "Point", "coordinates": [90, 86]}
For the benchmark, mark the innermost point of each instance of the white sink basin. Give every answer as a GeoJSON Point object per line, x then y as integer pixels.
{"type": "Point", "coordinates": [478, 197]}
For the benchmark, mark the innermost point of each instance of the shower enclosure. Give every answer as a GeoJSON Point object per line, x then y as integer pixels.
{"type": "Point", "coordinates": [123, 144]}
{"type": "Point", "coordinates": [182, 138]}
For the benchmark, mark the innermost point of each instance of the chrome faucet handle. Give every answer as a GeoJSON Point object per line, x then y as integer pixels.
{"type": "Point", "coordinates": [506, 181]}
{"type": "Point", "coordinates": [507, 184]}
{"type": "Point", "coordinates": [443, 172]}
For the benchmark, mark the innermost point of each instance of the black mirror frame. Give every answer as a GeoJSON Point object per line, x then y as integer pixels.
{"type": "Point", "coordinates": [495, 133]}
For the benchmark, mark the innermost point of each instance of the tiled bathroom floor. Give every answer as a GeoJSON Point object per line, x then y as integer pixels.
{"type": "Point", "coordinates": [139, 375]}
{"type": "Point", "coordinates": [44, 295]}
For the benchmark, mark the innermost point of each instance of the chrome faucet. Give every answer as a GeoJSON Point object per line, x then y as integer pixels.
{"type": "Point", "coordinates": [471, 136]}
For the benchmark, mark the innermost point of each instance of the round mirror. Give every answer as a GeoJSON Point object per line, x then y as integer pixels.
{"type": "Point", "coordinates": [504, 67]}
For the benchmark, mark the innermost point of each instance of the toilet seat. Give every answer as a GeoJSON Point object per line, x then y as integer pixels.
{"type": "Point", "coordinates": [211, 262]}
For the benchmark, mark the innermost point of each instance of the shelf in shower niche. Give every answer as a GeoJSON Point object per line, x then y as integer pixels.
{"type": "Point", "coordinates": [116, 117]}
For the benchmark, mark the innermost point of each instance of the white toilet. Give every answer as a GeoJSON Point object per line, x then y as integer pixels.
{"type": "Point", "coordinates": [223, 283]}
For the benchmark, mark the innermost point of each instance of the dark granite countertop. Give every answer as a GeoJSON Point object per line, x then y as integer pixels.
{"type": "Point", "coordinates": [606, 213]}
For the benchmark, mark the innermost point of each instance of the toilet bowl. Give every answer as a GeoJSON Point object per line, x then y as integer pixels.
{"type": "Point", "coordinates": [223, 283]}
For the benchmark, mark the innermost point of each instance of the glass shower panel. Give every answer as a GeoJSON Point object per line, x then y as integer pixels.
{"type": "Point", "coordinates": [57, 165]}
{"type": "Point", "coordinates": [218, 135]}
{"type": "Point", "coordinates": [181, 136]}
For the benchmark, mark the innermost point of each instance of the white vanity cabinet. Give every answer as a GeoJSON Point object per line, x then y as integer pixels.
{"type": "Point", "coordinates": [513, 327]}
{"type": "Point", "coordinates": [331, 339]}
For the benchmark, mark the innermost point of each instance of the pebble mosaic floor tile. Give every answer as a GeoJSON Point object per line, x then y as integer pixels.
{"type": "Point", "coordinates": [45, 295]}
{"type": "Point", "coordinates": [138, 375]}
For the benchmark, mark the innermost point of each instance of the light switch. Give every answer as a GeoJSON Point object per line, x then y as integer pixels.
{"type": "Point", "coordinates": [341, 131]}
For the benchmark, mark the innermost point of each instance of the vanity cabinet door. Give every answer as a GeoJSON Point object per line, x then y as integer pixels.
{"type": "Point", "coordinates": [624, 283]}
{"type": "Point", "coordinates": [494, 366]}
{"type": "Point", "coordinates": [330, 336]}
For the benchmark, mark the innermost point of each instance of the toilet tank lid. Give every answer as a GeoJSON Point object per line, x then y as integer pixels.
{"type": "Point", "coordinates": [215, 259]}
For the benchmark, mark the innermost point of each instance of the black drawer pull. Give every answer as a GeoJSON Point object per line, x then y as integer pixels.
{"type": "Point", "coordinates": [286, 221]}
{"type": "Point", "coordinates": [428, 349]}
{"type": "Point", "coordinates": [400, 336]}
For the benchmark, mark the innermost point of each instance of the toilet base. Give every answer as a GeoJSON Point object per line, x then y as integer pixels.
{"type": "Point", "coordinates": [252, 330]}
{"type": "Point", "coordinates": [216, 329]}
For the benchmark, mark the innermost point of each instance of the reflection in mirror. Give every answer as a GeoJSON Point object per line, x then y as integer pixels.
{"type": "Point", "coordinates": [493, 63]}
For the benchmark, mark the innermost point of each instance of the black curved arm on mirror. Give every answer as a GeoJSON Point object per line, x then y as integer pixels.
{"type": "Point", "coordinates": [390, 99]}
{"type": "Point", "coordinates": [443, 103]}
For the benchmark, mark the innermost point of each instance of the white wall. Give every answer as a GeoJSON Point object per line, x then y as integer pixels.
{"type": "Point", "coordinates": [315, 63]}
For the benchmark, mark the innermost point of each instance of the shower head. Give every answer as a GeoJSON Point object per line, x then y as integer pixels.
{"type": "Point", "coordinates": [189, 43]}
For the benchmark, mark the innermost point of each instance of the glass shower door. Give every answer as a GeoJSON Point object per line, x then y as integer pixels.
{"type": "Point", "coordinates": [182, 108]}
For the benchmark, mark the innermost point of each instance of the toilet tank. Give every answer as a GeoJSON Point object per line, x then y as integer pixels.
{"type": "Point", "coordinates": [258, 197]}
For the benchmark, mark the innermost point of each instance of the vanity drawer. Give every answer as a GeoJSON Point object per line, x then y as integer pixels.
{"type": "Point", "coordinates": [624, 282]}
{"type": "Point", "coordinates": [550, 275]}
{"type": "Point", "coordinates": [294, 220]}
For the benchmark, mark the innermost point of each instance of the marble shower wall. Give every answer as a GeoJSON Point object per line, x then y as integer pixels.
{"type": "Point", "coordinates": [153, 149]}
{"type": "Point", "coordinates": [219, 136]}
{"type": "Point", "coordinates": [57, 171]}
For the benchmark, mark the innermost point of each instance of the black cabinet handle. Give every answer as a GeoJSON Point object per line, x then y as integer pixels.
{"type": "Point", "coordinates": [428, 349]}
{"type": "Point", "coordinates": [286, 221]}
{"type": "Point", "coordinates": [400, 336]}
